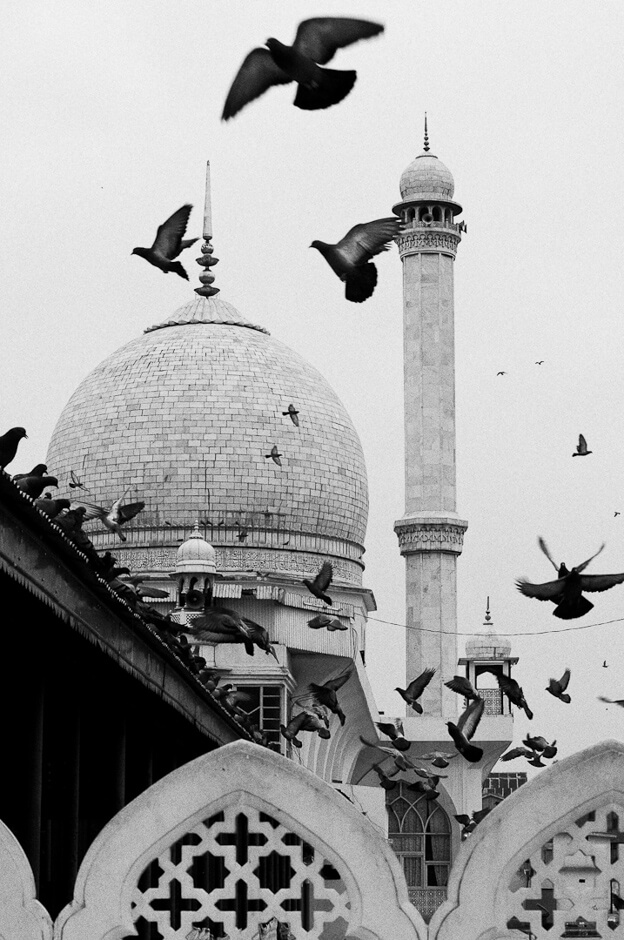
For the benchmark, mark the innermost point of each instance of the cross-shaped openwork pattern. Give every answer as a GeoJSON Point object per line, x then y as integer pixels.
{"type": "Point", "coordinates": [235, 872]}
{"type": "Point", "coordinates": [572, 886]}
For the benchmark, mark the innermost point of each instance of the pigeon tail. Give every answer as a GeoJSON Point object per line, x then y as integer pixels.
{"type": "Point", "coordinates": [329, 87]}
{"type": "Point", "coordinates": [177, 268]}
{"type": "Point", "coordinates": [361, 283]}
{"type": "Point", "coordinates": [528, 712]}
{"type": "Point", "coordinates": [417, 707]}
{"type": "Point", "coordinates": [570, 609]}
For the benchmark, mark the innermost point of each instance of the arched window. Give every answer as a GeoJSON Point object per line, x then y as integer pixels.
{"type": "Point", "coordinates": [420, 833]}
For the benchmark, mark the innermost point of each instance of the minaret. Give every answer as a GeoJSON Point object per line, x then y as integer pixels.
{"type": "Point", "coordinates": [430, 532]}
{"type": "Point", "coordinates": [206, 261]}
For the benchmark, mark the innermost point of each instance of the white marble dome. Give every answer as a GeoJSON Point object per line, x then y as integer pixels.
{"type": "Point", "coordinates": [196, 555]}
{"type": "Point", "coordinates": [488, 646]}
{"type": "Point", "coordinates": [184, 416]}
{"type": "Point", "coordinates": [427, 178]}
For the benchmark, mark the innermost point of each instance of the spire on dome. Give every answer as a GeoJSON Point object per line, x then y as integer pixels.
{"type": "Point", "coordinates": [487, 613]}
{"type": "Point", "coordinates": [426, 144]}
{"type": "Point", "coordinates": [206, 261]}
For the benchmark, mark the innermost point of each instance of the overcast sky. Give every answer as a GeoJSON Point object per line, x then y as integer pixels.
{"type": "Point", "coordinates": [109, 111]}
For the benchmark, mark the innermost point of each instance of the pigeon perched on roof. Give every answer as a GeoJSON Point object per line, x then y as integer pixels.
{"type": "Point", "coordinates": [113, 517]}
{"type": "Point", "coordinates": [305, 721]}
{"type": "Point", "coordinates": [321, 582]}
{"type": "Point", "coordinates": [34, 485]}
{"type": "Point", "coordinates": [52, 507]}
{"type": "Point", "coordinates": [463, 732]}
{"type": "Point", "coordinates": [169, 243]}
{"type": "Point", "coordinates": [293, 413]}
{"type": "Point", "coordinates": [275, 455]}
{"type": "Point", "coordinates": [315, 44]}
{"type": "Point", "coordinates": [325, 694]}
{"type": "Point", "coordinates": [8, 445]}
{"type": "Point", "coordinates": [462, 686]}
{"type": "Point", "coordinates": [557, 687]}
{"type": "Point", "coordinates": [416, 688]}
{"type": "Point", "coordinates": [514, 693]}
{"type": "Point", "coordinates": [39, 470]}
{"type": "Point", "coordinates": [567, 591]}
{"type": "Point", "coordinates": [581, 448]}
{"type": "Point", "coordinates": [350, 258]}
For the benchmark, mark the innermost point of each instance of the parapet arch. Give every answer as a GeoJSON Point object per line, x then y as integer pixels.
{"type": "Point", "coordinates": [22, 917]}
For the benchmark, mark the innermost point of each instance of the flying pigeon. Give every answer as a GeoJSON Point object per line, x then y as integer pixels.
{"type": "Point", "coordinates": [539, 362]}
{"type": "Point", "coordinates": [557, 687]}
{"type": "Point", "coordinates": [581, 448]}
{"type": "Point", "coordinates": [8, 445]}
{"type": "Point", "coordinates": [114, 516]}
{"type": "Point", "coordinates": [34, 485]}
{"type": "Point", "coordinates": [416, 688]}
{"type": "Point", "coordinates": [537, 743]}
{"type": "Point", "coordinates": [335, 624]}
{"type": "Point", "coordinates": [350, 258]}
{"type": "Point", "coordinates": [243, 533]}
{"type": "Point", "coordinates": [320, 621]}
{"type": "Point", "coordinates": [274, 455]}
{"type": "Point", "coordinates": [439, 758]}
{"type": "Point", "coordinates": [514, 693]}
{"type": "Point", "coordinates": [395, 733]}
{"type": "Point", "coordinates": [52, 507]}
{"type": "Point", "coordinates": [75, 482]}
{"type": "Point", "coordinates": [462, 686]}
{"type": "Point", "coordinates": [501, 373]}
{"type": "Point", "coordinates": [384, 780]}
{"type": "Point", "coordinates": [517, 752]}
{"type": "Point", "coordinates": [326, 694]}
{"type": "Point", "coordinates": [304, 721]}
{"type": "Point", "coordinates": [612, 701]}
{"type": "Point", "coordinates": [233, 628]}
{"type": "Point", "coordinates": [169, 243]}
{"type": "Point", "coordinates": [463, 732]}
{"type": "Point", "coordinates": [401, 763]}
{"type": "Point", "coordinates": [566, 591]}
{"type": "Point", "coordinates": [292, 411]}
{"type": "Point", "coordinates": [145, 590]}
{"type": "Point", "coordinates": [321, 582]}
{"type": "Point", "coordinates": [316, 42]}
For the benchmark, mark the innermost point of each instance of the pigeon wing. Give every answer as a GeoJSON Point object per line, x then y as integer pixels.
{"type": "Point", "coordinates": [256, 75]}
{"type": "Point", "coordinates": [129, 511]}
{"type": "Point", "coordinates": [582, 444]}
{"type": "Point", "coordinates": [323, 578]}
{"type": "Point", "coordinates": [516, 752]}
{"type": "Point", "coordinates": [470, 718]}
{"type": "Point", "coordinates": [367, 239]}
{"type": "Point", "coordinates": [418, 685]}
{"type": "Point", "coordinates": [320, 37]}
{"type": "Point", "coordinates": [170, 233]}
{"type": "Point", "coordinates": [339, 681]}
{"type": "Point", "coordinates": [93, 511]}
{"type": "Point", "coordinates": [460, 685]}
{"type": "Point", "coordinates": [549, 591]}
{"type": "Point", "coordinates": [600, 582]}
{"type": "Point", "coordinates": [544, 548]}
{"type": "Point", "coordinates": [222, 620]}
{"type": "Point", "coordinates": [584, 564]}
{"type": "Point", "coordinates": [563, 682]}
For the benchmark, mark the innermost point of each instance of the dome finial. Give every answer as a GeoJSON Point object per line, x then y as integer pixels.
{"type": "Point", "coordinates": [426, 144]}
{"type": "Point", "coordinates": [206, 261]}
{"type": "Point", "coordinates": [487, 613]}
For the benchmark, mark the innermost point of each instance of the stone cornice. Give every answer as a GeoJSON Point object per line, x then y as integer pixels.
{"type": "Point", "coordinates": [430, 239]}
{"type": "Point", "coordinates": [428, 534]}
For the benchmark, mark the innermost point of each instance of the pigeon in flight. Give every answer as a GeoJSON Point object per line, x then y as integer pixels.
{"type": "Point", "coordinates": [518, 752]}
{"type": "Point", "coordinates": [326, 694]}
{"type": "Point", "coordinates": [501, 373]}
{"type": "Point", "coordinates": [612, 701]}
{"type": "Point", "coordinates": [52, 507]}
{"type": "Point", "coordinates": [514, 693]}
{"type": "Point", "coordinates": [169, 243]}
{"type": "Point", "coordinates": [416, 688]}
{"type": "Point", "coordinates": [581, 448]}
{"type": "Point", "coordinates": [316, 42]}
{"type": "Point", "coordinates": [395, 733]}
{"type": "Point", "coordinates": [567, 591]}
{"type": "Point", "coordinates": [236, 629]}
{"type": "Point", "coordinates": [34, 485]}
{"type": "Point", "coordinates": [539, 362]}
{"type": "Point", "coordinates": [463, 732]}
{"type": "Point", "coordinates": [462, 686]}
{"type": "Point", "coordinates": [350, 258]}
{"type": "Point", "coordinates": [8, 445]}
{"type": "Point", "coordinates": [317, 623]}
{"type": "Point", "coordinates": [113, 517]}
{"type": "Point", "coordinates": [75, 482]}
{"type": "Point", "coordinates": [439, 758]}
{"type": "Point", "coordinates": [321, 582]}
{"type": "Point", "coordinates": [616, 514]}
{"type": "Point", "coordinates": [557, 687]}
{"type": "Point", "coordinates": [275, 455]}
{"type": "Point", "coordinates": [384, 780]}
{"type": "Point", "coordinates": [304, 721]}
{"type": "Point", "coordinates": [401, 763]}
{"type": "Point", "coordinates": [294, 415]}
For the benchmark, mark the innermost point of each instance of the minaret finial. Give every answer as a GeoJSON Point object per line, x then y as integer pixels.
{"type": "Point", "coordinates": [206, 261]}
{"type": "Point", "coordinates": [426, 146]}
{"type": "Point", "coordinates": [487, 612]}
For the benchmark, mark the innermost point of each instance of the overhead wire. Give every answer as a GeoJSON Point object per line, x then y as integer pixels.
{"type": "Point", "coordinates": [585, 626]}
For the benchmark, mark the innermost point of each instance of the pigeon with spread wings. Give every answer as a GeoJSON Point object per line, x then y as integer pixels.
{"type": "Point", "coordinates": [316, 42]}
{"type": "Point", "coordinates": [304, 721]}
{"type": "Point", "coordinates": [169, 243]}
{"type": "Point", "coordinates": [557, 687]}
{"type": "Point", "coordinates": [514, 693]}
{"type": "Point", "coordinates": [228, 626]}
{"type": "Point", "coordinates": [350, 258]}
{"type": "Point", "coordinates": [325, 694]}
{"type": "Point", "coordinates": [581, 448]}
{"type": "Point", "coordinates": [416, 688]}
{"type": "Point", "coordinates": [113, 517]}
{"type": "Point", "coordinates": [321, 582]}
{"type": "Point", "coordinates": [463, 732]}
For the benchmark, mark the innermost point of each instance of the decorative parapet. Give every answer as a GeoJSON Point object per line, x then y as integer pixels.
{"type": "Point", "coordinates": [430, 534]}
{"type": "Point", "coordinates": [414, 241]}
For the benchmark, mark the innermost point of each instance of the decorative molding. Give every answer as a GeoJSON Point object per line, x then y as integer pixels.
{"type": "Point", "coordinates": [440, 536]}
{"type": "Point", "coordinates": [430, 240]}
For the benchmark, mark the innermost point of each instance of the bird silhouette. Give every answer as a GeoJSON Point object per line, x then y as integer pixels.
{"type": "Point", "coordinates": [396, 734]}
{"type": "Point", "coordinates": [294, 415]}
{"type": "Point", "coordinates": [113, 517]}
{"type": "Point", "coordinates": [439, 758]}
{"type": "Point", "coordinates": [52, 507]}
{"type": "Point", "coordinates": [9, 442]}
{"type": "Point", "coordinates": [567, 591]}
{"type": "Point", "coordinates": [539, 362]}
{"type": "Point", "coordinates": [501, 373]}
{"type": "Point", "coordinates": [384, 780]}
{"type": "Point", "coordinates": [581, 448]}
{"type": "Point", "coordinates": [321, 582]}
{"type": "Point", "coordinates": [514, 693]}
{"type": "Point", "coordinates": [517, 752]}
{"type": "Point", "coordinates": [401, 762]}
{"type": "Point", "coordinates": [75, 482]}
{"type": "Point", "coordinates": [325, 694]}
{"type": "Point", "coordinates": [169, 243]}
{"type": "Point", "coordinates": [463, 732]}
{"type": "Point", "coordinates": [243, 532]}
{"type": "Point", "coordinates": [416, 688]}
{"type": "Point", "coordinates": [612, 701]}
{"type": "Point", "coordinates": [319, 622]}
{"type": "Point", "coordinates": [39, 470]}
{"type": "Point", "coordinates": [230, 627]}
{"type": "Point", "coordinates": [604, 664]}
{"type": "Point", "coordinates": [307, 720]}
{"type": "Point", "coordinates": [316, 42]}
{"type": "Point", "coordinates": [462, 686]}
{"type": "Point", "coordinates": [557, 687]}
{"type": "Point", "coordinates": [616, 514]}
{"type": "Point", "coordinates": [350, 258]}
{"type": "Point", "coordinates": [275, 455]}
{"type": "Point", "coordinates": [34, 486]}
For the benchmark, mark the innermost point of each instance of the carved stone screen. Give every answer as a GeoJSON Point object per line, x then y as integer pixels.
{"type": "Point", "coordinates": [240, 874]}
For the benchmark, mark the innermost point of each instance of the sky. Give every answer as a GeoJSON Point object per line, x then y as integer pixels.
{"type": "Point", "coordinates": [110, 111]}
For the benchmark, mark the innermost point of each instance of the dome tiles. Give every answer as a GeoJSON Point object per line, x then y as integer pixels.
{"type": "Point", "coordinates": [183, 418]}
{"type": "Point", "coordinates": [427, 178]}
{"type": "Point", "coordinates": [488, 646]}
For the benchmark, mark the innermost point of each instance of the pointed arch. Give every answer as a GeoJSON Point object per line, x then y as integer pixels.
{"type": "Point", "coordinates": [22, 917]}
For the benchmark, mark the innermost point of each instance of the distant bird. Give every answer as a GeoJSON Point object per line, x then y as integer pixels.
{"type": "Point", "coordinates": [237, 629]}
{"type": "Point", "coordinates": [566, 591]}
{"type": "Point", "coordinates": [616, 514]}
{"type": "Point", "coordinates": [396, 734]}
{"type": "Point", "coordinates": [275, 455]}
{"type": "Point", "coordinates": [557, 687]}
{"type": "Point", "coordinates": [439, 758]}
{"type": "Point", "coordinates": [501, 373]}
{"type": "Point", "coordinates": [326, 694]}
{"type": "Point", "coordinates": [517, 752]}
{"type": "Point", "coordinates": [604, 665]}
{"type": "Point", "coordinates": [243, 533]}
{"type": "Point", "coordinates": [294, 415]}
{"type": "Point", "coordinates": [52, 507]}
{"type": "Point", "coordinates": [462, 686]}
{"type": "Point", "coordinates": [350, 258]}
{"type": "Point", "coordinates": [514, 693]}
{"type": "Point", "coordinates": [581, 448]}
{"type": "Point", "coordinates": [463, 732]}
{"type": "Point", "coordinates": [384, 780]}
{"type": "Point", "coordinates": [416, 688]}
{"type": "Point", "coordinates": [115, 516]}
{"type": "Point", "coordinates": [539, 362]}
{"type": "Point", "coordinates": [321, 582]}
{"type": "Point", "coordinates": [316, 42]}
{"type": "Point", "coordinates": [8, 445]}
{"type": "Point", "coordinates": [169, 243]}
{"type": "Point", "coordinates": [304, 721]}
{"type": "Point", "coordinates": [34, 486]}
{"type": "Point", "coordinates": [612, 701]}
{"type": "Point", "coordinates": [75, 482]}
{"type": "Point", "coordinates": [39, 470]}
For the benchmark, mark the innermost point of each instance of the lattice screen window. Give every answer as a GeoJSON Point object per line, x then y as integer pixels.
{"type": "Point", "coordinates": [242, 876]}
{"type": "Point", "coordinates": [570, 885]}
{"type": "Point", "coordinates": [420, 834]}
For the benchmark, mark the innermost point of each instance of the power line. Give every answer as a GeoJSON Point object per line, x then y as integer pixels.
{"type": "Point", "coordinates": [586, 626]}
